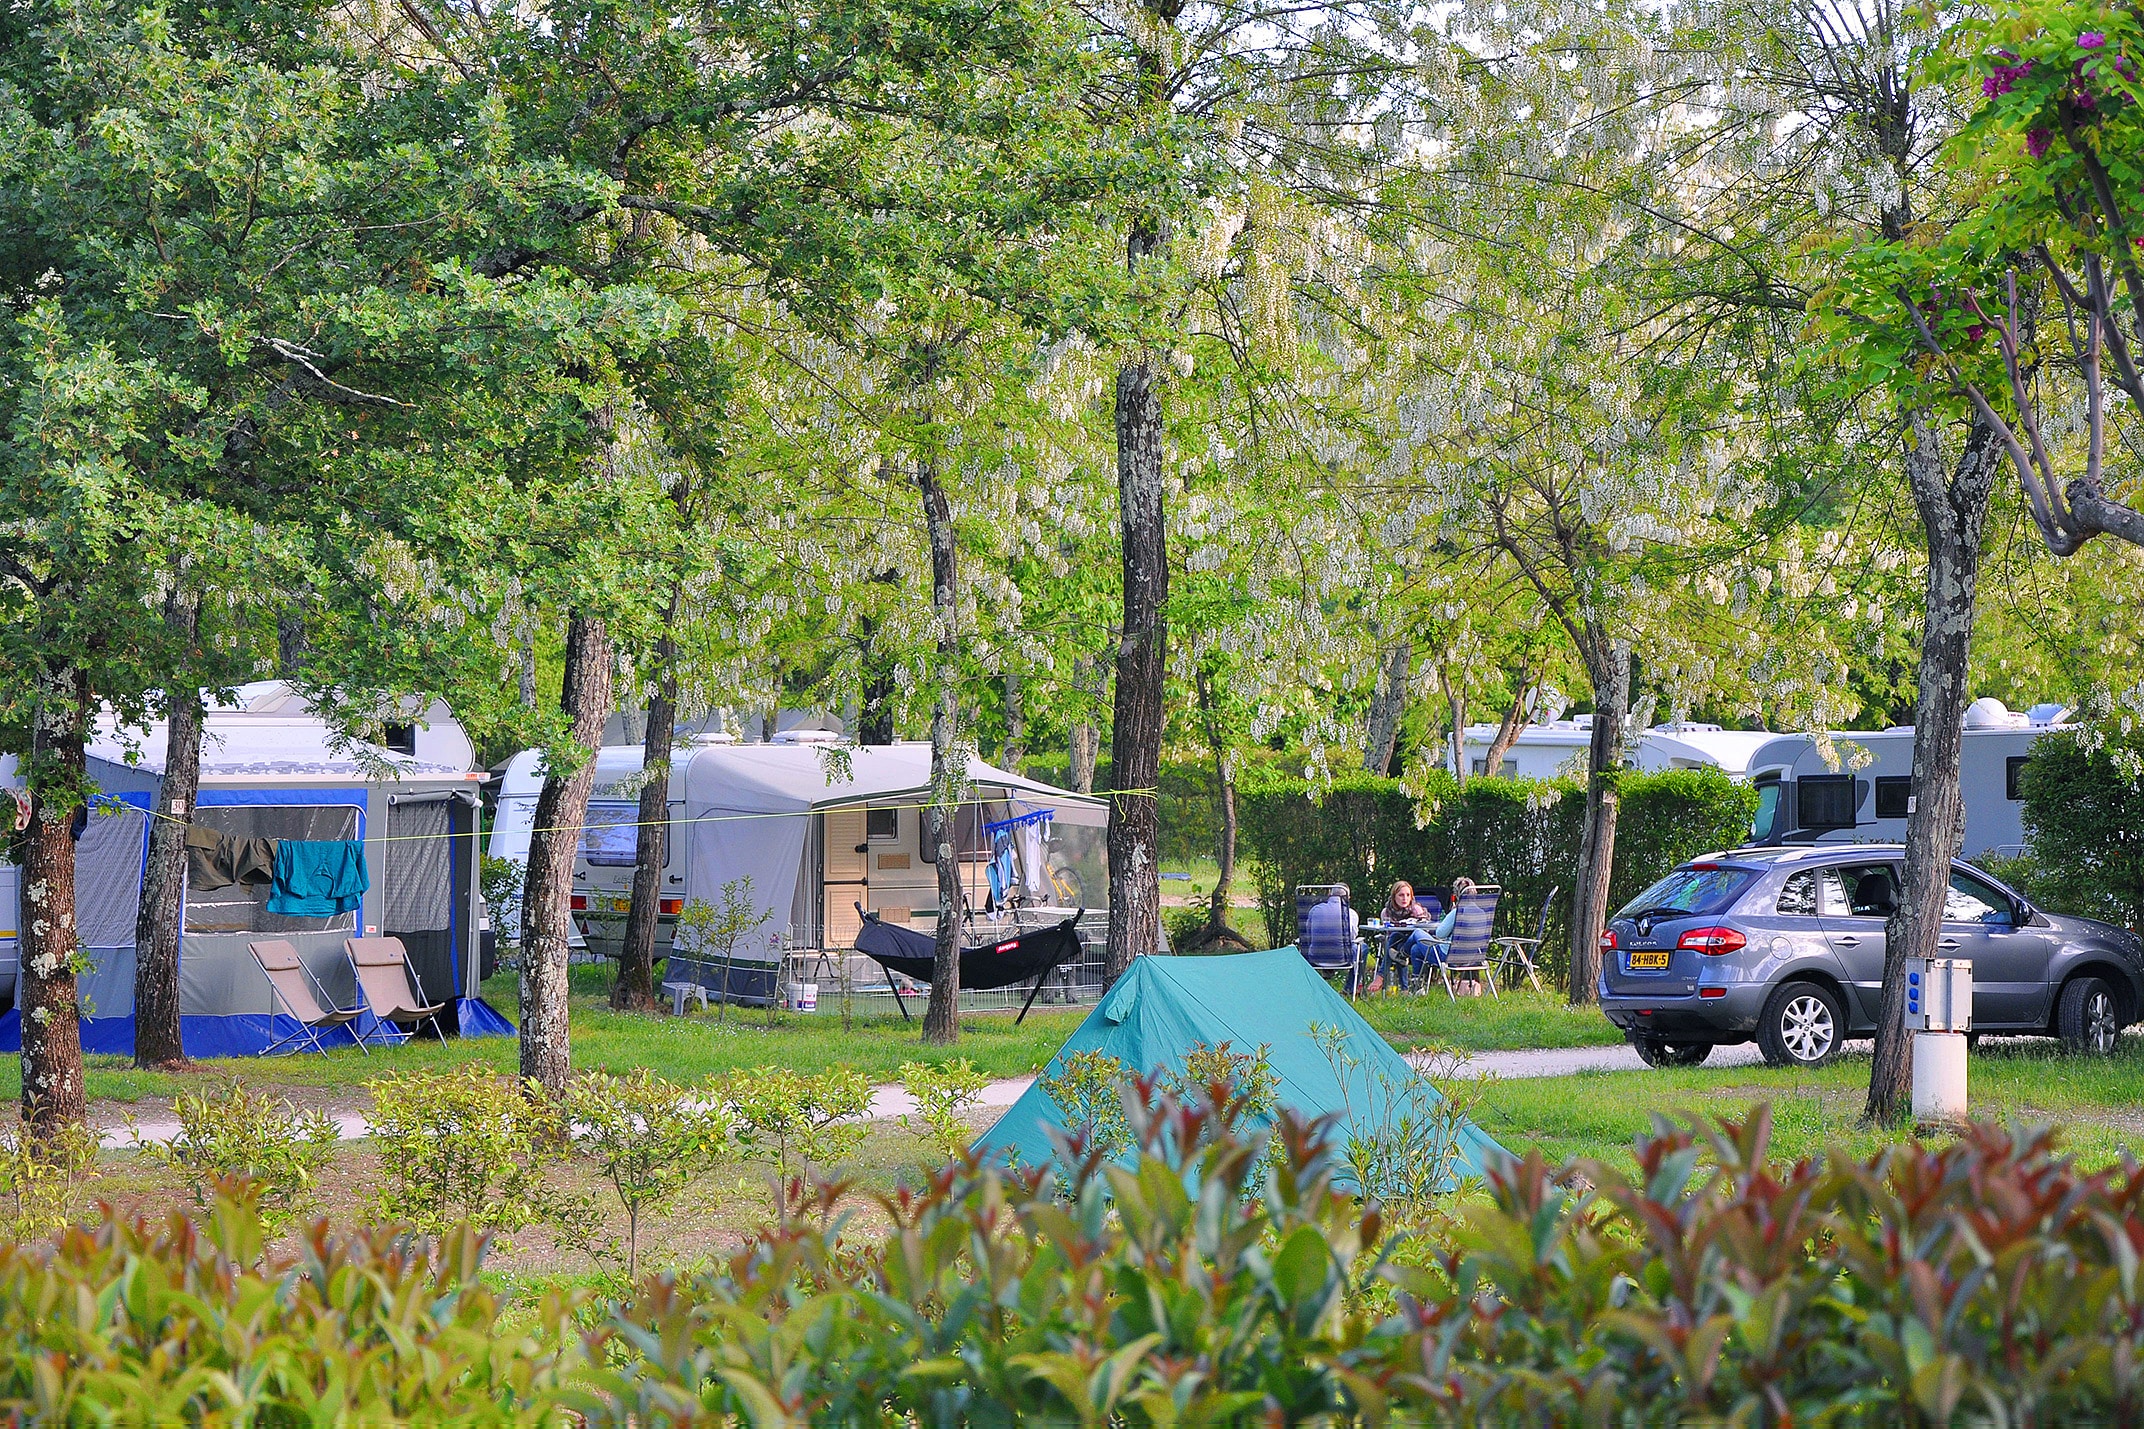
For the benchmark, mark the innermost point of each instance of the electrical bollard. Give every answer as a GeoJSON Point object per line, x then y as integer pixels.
{"type": "Point", "coordinates": [1939, 1012]}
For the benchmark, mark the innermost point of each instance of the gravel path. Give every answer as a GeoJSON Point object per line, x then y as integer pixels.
{"type": "Point", "coordinates": [889, 1102]}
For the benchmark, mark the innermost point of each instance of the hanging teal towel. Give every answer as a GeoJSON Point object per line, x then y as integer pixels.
{"type": "Point", "coordinates": [318, 878]}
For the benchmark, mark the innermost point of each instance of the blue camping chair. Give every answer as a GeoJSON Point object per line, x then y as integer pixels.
{"type": "Point", "coordinates": [1328, 941]}
{"type": "Point", "coordinates": [1472, 933]}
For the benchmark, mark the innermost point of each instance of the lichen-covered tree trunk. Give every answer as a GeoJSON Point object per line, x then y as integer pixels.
{"type": "Point", "coordinates": [1387, 705]}
{"type": "Point", "coordinates": [1136, 723]}
{"type": "Point", "coordinates": [1507, 732]}
{"type": "Point", "coordinates": [1217, 929]}
{"type": "Point", "coordinates": [635, 989]}
{"type": "Point", "coordinates": [941, 1018]}
{"type": "Point", "coordinates": [1953, 504]}
{"type": "Point", "coordinates": [1084, 745]}
{"type": "Point", "coordinates": [161, 918]}
{"type": "Point", "coordinates": [1608, 662]}
{"type": "Point", "coordinates": [52, 1091]}
{"type": "Point", "coordinates": [546, 900]}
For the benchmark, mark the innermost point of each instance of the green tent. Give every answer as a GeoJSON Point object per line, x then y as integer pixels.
{"type": "Point", "coordinates": [1164, 1006]}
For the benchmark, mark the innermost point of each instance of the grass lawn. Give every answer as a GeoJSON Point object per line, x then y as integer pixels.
{"type": "Point", "coordinates": [2098, 1101]}
{"type": "Point", "coordinates": [1521, 1018]}
{"type": "Point", "coordinates": [682, 1049]}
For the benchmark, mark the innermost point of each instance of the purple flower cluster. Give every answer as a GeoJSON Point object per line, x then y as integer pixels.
{"type": "Point", "coordinates": [2005, 77]}
{"type": "Point", "coordinates": [2037, 140]}
{"type": "Point", "coordinates": [2091, 40]}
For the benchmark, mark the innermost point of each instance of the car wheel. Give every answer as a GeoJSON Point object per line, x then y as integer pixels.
{"type": "Point", "coordinates": [2090, 1017]}
{"type": "Point", "coordinates": [1659, 1052]}
{"type": "Point", "coordinates": [1802, 1026]}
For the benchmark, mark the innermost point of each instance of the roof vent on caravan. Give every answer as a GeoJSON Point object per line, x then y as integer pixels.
{"type": "Point", "coordinates": [2047, 714]}
{"type": "Point", "coordinates": [1988, 712]}
{"type": "Point", "coordinates": [806, 736]}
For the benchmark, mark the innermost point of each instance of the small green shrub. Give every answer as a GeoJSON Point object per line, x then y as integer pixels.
{"type": "Point", "coordinates": [127, 1322]}
{"type": "Point", "coordinates": [944, 1095]}
{"type": "Point", "coordinates": [792, 1122]}
{"type": "Point", "coordinates": [41, 1178]}
{"type": "Point", "coordinates": [1089, 1091]}
{"type": "Point", "coordinates": [228, 1133]}
{"type": "Point", "coordinates": [710, 934]}
{"type": "Point", "coordinates": [461, 1146]}
{"type": "Point", "coordinates": [1404, 1147]}
{"type": "Point", "coordinates": [648, 1139]}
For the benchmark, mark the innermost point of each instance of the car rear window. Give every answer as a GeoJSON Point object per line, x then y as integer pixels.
{"type": "Point", "coordinates": [1706, 889]}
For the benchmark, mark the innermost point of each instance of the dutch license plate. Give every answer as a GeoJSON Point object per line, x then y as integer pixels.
{"type": "Point", "coordinates": [1643, 962]}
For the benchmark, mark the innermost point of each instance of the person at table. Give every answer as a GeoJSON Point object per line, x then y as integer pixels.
{"type": "Point", "coordinates": [1401, 906]}
{"type": "Point", "coordinates": [1427, 949]}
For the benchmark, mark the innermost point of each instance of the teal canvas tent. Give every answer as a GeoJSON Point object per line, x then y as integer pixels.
{"type": "Point", "coordinates": [1163, 1007]}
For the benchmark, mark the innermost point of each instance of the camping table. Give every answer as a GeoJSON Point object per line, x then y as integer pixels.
{"type": "Point", "coordinates": [1389, 937]}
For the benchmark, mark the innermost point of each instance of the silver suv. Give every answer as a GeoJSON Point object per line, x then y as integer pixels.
{"type": "Point", "coordinates": [1785, 945]}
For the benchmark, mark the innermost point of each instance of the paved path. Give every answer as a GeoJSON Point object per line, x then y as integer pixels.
{"type": "Point", "coordinates": [889, 1102]}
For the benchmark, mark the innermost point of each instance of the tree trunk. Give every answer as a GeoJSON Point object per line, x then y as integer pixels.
{"type": "Point", "coordinates": [1608, 663]}
{"type": "Point", "coordinates": [1015, 724]}
{"type": "Point", "coordinates": [941, 1018]}
{"type": "Point", "coordinates": [874, 722]}
{"type": "Point", "coordinates": [1386, 707]}
{"type": "Point", "coordinates": [1954, 508]}
{"type": "Point", "coordinates": [546, 900]}
{"type": "Point", "coordinates": [162, 916]}
{"type": "Point", "coordinates": [1085, 743]}
{"type": "Point", "coordinates": [52, 1092]}
{"type": "Point", "coordinates": [1507, 733]}
{"type": "Point", "coordinates": [635, 988]}
{"type": "Point", "coordinates": [289, 640]}
{"type": "Point", "coordinates": [1136, 723]}
{"type": "Point", "coordinates": [1456, 697]}
{"type": "Point", "coordinates": [1217, 929]}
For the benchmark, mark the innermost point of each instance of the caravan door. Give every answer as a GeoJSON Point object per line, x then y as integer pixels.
{"type": "Point", "coordinates": [844, 859]}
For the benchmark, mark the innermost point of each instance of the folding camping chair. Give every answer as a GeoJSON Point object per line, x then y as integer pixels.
{"type": "Point", "coordinates": [301, 995]}
{"type": "Point", "coordinates": [388, 984]}
{"type": "Point", "coordinates": [1328, 944]}
{"type": "Point", "coordinates": [1472, 931]}
{"type": "Point", "coordinates": [1520, 952]}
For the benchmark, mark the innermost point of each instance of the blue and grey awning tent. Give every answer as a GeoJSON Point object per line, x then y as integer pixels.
{"type": "Point", "coordinates": [271, 770]}
{"type": "Point", "coordinates": [1163, 1007]}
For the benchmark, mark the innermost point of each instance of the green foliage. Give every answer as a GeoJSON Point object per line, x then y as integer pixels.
{"type": "Point", "coordinates": [710, 933]}
{"type": "Point", "coordinates": [793, 1122]}
{"type": "Point", "coordinates": [193, 1324]}
{"type": "Point", "coordinates": [459, 1147]}
{"type": "Point", "coordinates": [1522, 835]}
{"type": "Point", "coordinates": [648, 1139]}
{"type": "Point", "coordinates": [229, 1134]}
{"type": "Point", "coordinates": [501, 881]}
{"type": "Point", "coordinates": [41, 1177]}
{"type": "Point", "coordinates": [944, 1095]}
{"type": "Point", "coordinates": [1399, 1139]}
{"type": "Point", "coordinates": [2084, 824]}
{"type": "Point", "coordinates": [1089, 1091]}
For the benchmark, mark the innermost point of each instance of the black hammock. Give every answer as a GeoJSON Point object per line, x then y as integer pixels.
{"type": "Point", "coordinates": [984, 968]}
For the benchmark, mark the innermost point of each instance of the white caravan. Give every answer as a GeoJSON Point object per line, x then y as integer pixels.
{"type": "Point", "coordinates": [1805, 798]}
{"type": "Point", "coordinates": [1558, 747]}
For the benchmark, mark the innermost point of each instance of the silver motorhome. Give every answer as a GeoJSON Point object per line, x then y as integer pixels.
{"type": "Point", "coordinates": [1863, 792]}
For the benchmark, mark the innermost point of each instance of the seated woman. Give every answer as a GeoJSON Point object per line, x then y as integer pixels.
{"type": "Point", "coordinates": [1403, 907]}
{"type": "Point", "coordinates": [1426, 950]}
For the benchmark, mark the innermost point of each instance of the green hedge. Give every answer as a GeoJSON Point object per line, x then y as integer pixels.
{"type": "Point", "coordinates": [1520, 834]}
{"type": "Point", "coordinates": [2084, 826]}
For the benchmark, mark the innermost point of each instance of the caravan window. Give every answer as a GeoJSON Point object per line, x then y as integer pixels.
{"type": "Point", "coordinates": [2014, 777]}
{"type": "Point", "coordinates": [243, 907]}
{"type": "Point", "coordinates": [881, 825]}
{"type": "Point", "coordinates": [1827, 801]}
{"type": "Point", "coordinates": [1894, 798]}
{"type": "Point", "coordinates": [610, 836]}
{"type": "Point", "coordinates": [1766, 823]}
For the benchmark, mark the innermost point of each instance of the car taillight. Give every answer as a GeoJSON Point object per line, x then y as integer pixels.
{"type": "Point", "coordinates": [1712, 992]}
{"type": "Point", "coordinates": [1712, 942]}
{"type": "Point", "coordinates": [580, 903]}
{"type": "Point", "coordinates": [669, 905]}
{"type": "Point", "coordinates": [1607, 940]}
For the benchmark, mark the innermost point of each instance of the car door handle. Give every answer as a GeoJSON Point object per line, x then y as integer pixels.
{"type": "Point", "coordinates": [1949, 943]}
{"type": "Point", "coordinates": [1847, 940]}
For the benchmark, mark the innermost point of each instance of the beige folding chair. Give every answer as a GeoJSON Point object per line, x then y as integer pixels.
{"type": "Point", "coordinates": [301, 995]}
{"type": "Point", "coordinates": [388, 984]}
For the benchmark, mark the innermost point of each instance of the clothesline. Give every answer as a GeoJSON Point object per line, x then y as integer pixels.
{"type": "Point", "coordinates": [155, 813]}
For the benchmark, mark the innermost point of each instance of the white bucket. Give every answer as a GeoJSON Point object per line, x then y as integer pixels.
{"type": "Point", "coordinates": [804, 997]}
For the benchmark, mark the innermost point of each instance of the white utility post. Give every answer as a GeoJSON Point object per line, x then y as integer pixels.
{"type": "Point", "coordinates": [1939, 1012]}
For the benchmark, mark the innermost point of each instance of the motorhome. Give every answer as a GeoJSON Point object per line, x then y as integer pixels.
{"type": "Point", "coordinates": [1860, 789]}
{"type": "Point", "coordinates": [1562, 746]}
{"type": "Point", "coordinates": [820, 832]}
